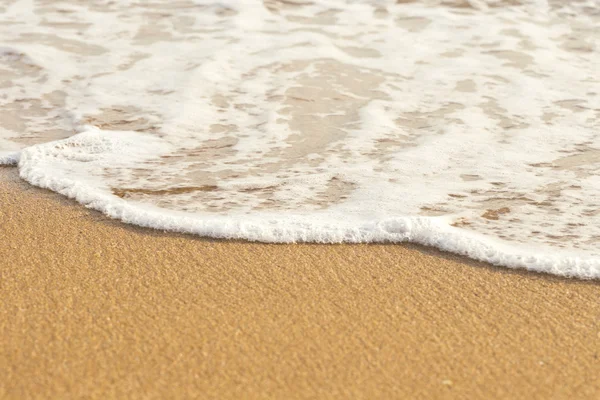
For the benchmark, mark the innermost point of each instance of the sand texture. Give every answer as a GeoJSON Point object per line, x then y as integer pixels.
{"type": "Point", "coordinates": [93, 308]}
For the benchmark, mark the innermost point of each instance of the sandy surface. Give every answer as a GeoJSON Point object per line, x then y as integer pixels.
{"type": "Point", "coordinates": [94, 308]}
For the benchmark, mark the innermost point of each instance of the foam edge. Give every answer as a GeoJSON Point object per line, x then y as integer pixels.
{"type": "Point", "coordinates": [428, 231]}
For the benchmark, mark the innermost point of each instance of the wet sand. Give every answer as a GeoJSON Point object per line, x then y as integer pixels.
{"type": "Point", "coordinates": [94, 308]}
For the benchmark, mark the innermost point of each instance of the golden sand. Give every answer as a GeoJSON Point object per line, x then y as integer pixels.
{"type": "Point", "coordinates": [93, 308]}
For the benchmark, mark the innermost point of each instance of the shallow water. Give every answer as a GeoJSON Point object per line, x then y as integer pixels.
{"type": "Point", "coordinates": [472, 126]}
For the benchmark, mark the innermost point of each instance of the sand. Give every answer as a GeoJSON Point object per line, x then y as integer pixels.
{"type": "Point", "coordinates": [94, 308]}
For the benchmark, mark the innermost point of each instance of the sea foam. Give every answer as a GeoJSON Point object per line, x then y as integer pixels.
{"type": "Point", "coordinates": [471, 126]}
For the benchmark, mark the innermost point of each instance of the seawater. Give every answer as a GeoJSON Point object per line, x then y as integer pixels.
{"type": "Point", "coordinates": [468, 125]}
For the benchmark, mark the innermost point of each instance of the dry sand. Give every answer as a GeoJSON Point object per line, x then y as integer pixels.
{"type": "Point", "coordinates": [94, 308]}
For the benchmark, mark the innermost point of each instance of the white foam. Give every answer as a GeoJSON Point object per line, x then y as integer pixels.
{"type": "Point", "coordinates": [471, 129]}
{"type": "Point", "coordinates": [9, 159]}
{"type": "Point", "coordinates": [51, 166]}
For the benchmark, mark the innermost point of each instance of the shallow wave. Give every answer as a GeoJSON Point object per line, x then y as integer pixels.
{"type": "Point", "coordinates": [57, 167]}
{"type": "Point", "coordinates": [471, 126]}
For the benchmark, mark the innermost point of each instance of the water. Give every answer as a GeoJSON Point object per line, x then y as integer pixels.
{"type": "Point", "coordinates": [472, 126]}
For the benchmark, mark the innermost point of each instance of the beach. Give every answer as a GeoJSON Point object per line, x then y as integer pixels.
{"type": "Point", "coordinates": [94, 308]}
{"type": "Point", "coordinates": [215, 199]}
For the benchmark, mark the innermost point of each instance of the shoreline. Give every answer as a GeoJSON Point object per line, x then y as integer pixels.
{"type": "Point", "coordinates": [98, 308]}
{"type": "Point", "coordinates": [469, 245]}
